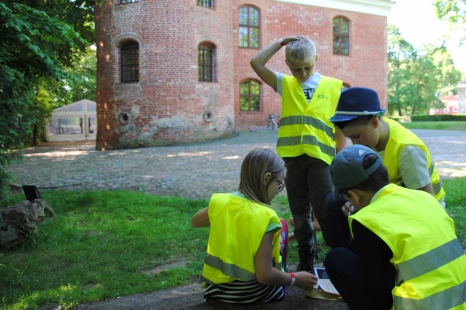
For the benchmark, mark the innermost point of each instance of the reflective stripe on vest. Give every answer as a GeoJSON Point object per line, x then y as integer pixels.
{"type": "Point", "coordinates": [447, 299]}
{"type": "Point", "coordinates": [428, 257]}
{"type": "Point", "coordinates": [304, 128]}
{"type": "Point", "coordinates": [307, 120]}
{"type": "Point", "coordinates": [437, 187]}
{"type": "Point", "coordinates": [399, 138]}
{"type": "Point", "coordinates": [291, 141]}
{"type": "Point", "coordinates": [230, 270]}
{"type": "Point", "coordinates": [428, 261]}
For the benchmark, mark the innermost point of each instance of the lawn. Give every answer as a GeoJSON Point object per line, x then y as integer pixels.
{"type": "Point", "coordinates": [105, 244]}
{"type": "Point", "coordinates": [436, 125]}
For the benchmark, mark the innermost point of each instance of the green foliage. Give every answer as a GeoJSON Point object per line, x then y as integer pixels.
{"type": "Point", "coordinates": [35, 47]}
{"type": "Point", "coordinates": [82, 81]}
{"type": "Point", "coordinates": [416, 77]}
{"type": "Point", "coordinates": [454, 12]}
{"type": "Point", "coordinates": [439, 118]}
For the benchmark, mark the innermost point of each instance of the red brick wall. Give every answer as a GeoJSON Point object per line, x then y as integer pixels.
{"type": "Point", "coordinates": [167, 105]}
{"type": "Point", "coordinates": [366, 64]}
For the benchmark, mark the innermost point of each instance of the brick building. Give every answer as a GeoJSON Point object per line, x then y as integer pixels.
{"type": "Point", "coordinates": [177, 71]}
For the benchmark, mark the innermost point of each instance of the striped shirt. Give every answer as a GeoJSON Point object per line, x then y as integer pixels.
{"type": "Point", "coordinates": [241, 292]}
{"type": "Point", "coordinates": [246, 292]}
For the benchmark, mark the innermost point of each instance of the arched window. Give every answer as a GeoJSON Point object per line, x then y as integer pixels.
{"type": "Point", "coordinates": [249, 96]}
{"type": "Point", "coordinates": [340, 36]}
{"type": "Point", "coordinates": [205, 3]}
{"type": "Point", "coordinates": [248, 20]}
{"type": "Point", "coordinates": [206, 62]}
{"type": "Point", "coordinates": [130, 62]}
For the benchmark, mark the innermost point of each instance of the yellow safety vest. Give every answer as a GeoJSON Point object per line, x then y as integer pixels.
{"type": "Point", "coordinates": [400, 137]}
{"type": "Point", "coordinates": [305, 128]}
{"type": "Point", "coordinates": [237, 226]}
{"type": "Point", "coordinates": [427, 255]}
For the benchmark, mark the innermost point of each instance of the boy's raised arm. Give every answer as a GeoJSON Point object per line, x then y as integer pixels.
{"type": "Point", "coordinates": [258, 62]}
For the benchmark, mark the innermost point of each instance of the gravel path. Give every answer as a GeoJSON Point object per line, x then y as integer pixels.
{"type": "Point", "coordinates": [194, 171]}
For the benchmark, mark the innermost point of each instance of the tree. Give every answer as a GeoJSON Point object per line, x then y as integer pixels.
{"type": "Point", "coordinates": [415, 77]}
{"type": "Point", "coordinates": [446, 71]}
{"type": "Point", "coordinates": [33, 46]}
{"type": "Point", "coordinates": [401, 53]}
{"type": "Point", "coordinates": [82, 84]}
{"type": "Point", "coordinates": [453, 11]}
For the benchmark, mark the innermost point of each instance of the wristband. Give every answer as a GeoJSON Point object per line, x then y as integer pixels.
{"type": "Point", "coordinates": [281, 42]}
{"type": "Point", "coordinates": [293, 279]}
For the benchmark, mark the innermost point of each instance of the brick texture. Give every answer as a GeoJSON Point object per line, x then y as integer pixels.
{"type": "Point", "coordinates": [169, 106]}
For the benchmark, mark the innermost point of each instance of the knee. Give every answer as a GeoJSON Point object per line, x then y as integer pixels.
{"type": "Point", "coordinates": [333, 258]}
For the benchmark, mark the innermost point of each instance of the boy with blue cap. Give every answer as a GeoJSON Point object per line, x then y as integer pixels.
{"type": "Point", "coordinates": [360, 118]}
{"type": "Point", "coordinates": [396, 262]}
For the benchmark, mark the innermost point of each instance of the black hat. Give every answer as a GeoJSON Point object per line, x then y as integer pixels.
{"type": "Point", "coordinates": [347, 167]}
{"type": "Point", "coordinates": [355, 102]}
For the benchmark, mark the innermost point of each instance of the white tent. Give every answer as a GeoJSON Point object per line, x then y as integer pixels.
{"type": "Point", "coordinates": [76, 121]}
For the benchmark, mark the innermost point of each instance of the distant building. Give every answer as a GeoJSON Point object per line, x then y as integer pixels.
{"type": "Point", "coordinates": [450, 105]}
{"type": "Point", "coordinates": [177, 71]}
{"type": "Point", "coordinates": [453, 104]}
{"type": "Point", "coordinates": [76, 121]}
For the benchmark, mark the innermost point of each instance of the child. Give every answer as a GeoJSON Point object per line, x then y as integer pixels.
{"type": "Point", "coordinates": [306, 139]}
{"type": "Point", "coordinates": [409, 164]}
{"type": "Point", "coordinates": [406, 253]}
{"type": "Point", "coordinates": [243, 262]}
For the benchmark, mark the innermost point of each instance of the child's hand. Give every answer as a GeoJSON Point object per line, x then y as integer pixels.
{"type": "Point", "coordinates": [305, 280]}
{"type": "Point", "coordinates": [347, 209]}
{"type": "Point", "coordinates": [287, 40]}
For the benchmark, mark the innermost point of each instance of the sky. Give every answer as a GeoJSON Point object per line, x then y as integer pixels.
{"type": "Point", "coordinates": [419, 25]}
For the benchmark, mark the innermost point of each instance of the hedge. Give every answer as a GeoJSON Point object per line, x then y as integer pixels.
{"type": "Point", "coordinates": [438, 118]}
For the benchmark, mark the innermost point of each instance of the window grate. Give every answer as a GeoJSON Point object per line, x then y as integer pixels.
{"type": "Point", "coordinates": [205, 3]}
{"type": "Point", "coordinates": [130, 62]}
{"type": "Point", "coordinates": [206, 63]}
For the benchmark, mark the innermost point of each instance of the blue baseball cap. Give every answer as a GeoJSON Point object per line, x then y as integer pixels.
{"type": "Point", "coordinates": [355, 102]}
{"type": "Point", "coordinates": [347, 167]}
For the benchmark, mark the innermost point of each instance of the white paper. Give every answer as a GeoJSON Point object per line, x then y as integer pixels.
{"type": "Point", "coordinates": [324, 281]}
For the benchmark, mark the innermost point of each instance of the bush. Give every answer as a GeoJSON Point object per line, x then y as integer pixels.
{"type": "Point", "coordinates": [438, 118]}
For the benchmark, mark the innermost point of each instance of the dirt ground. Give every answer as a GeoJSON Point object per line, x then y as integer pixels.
{"type": "Point", "coordinates": [190, 297]}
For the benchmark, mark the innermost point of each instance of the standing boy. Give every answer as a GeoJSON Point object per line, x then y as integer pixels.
{"type": "Point", "coordinates": [306, 138]}
{"type": "Point", "coordinates": [406, 253]}
{"type": "Point", "coordinates": [409, 164]}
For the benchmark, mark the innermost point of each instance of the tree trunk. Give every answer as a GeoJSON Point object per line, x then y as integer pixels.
{"type": "Point", "coordinates": [34, 134]}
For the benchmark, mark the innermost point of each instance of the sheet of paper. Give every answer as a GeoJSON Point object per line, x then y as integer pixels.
{"type": "Point", "coordinates": [324, 281]}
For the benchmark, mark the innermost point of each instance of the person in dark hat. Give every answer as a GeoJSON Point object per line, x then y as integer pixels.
{"type": "Point", "coordinates": [396, 261]}
{"type": "Point", "coordinates": [409, 163]}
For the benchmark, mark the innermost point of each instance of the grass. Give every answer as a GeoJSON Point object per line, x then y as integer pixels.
{"type": "Point", "coordinates": [105, 244]}
{"type": "Point", "coordinates": [436, 125]}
